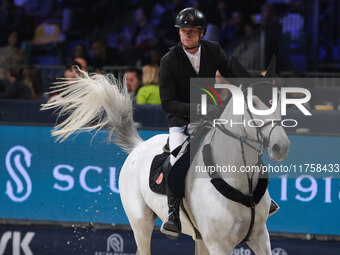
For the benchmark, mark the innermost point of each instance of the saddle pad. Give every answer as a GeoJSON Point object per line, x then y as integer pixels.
{"type": "Point", "coordinates": [157, 179]}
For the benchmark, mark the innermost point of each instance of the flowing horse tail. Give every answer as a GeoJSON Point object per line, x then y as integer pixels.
{"type": "Point", "coordinates": [95, 101]}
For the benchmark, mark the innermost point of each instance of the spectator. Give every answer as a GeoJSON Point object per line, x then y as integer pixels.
{"type": "Point", "coordinates": [233, 30]}
{"type": "Point", "coordinates": [39, 10]}
{"type": "Point", "coordinates": [156, 52]}
{"type": "Point", "coordinates": [17, 89]}
{"type": "Point", "coordinates": [74, 17]}
{"type": "Point", "coordinates": [266, 16]}
{"type": "Point", "coordinates": [10, 55]}
{"type": "Point", "coordinates": [80, 51]}
{"type": "Point", "coordinates": [149, 92]}
{"type": "Point", "coordinates": [71, 72]}
{"type": "Point", "coordinates": [236, 24]}
{"type": "Point", "coordinates": [136, 40]}
{"type": "Point", "coordinates": [11, 18]}
{"type": "Point", "coordinates": [248, 29]}
{"type": "Point", "coordinates": [133, 78]}
{"type": "Point", "coordinates": [222, 11]}
{"type": "Point", "coordinates": [2, 86]}
{"type": "Point", "coordinates": [217, 19]}
{"type": "Point", "coordinates": [212, 17]}
{"type": "Point", "coordinates": [166, 33]}
{"type": "Point", "coordinates": [32, 78]}
{"type": "Point", "coordinates": [103, 55]}
{"type": "Point", "coordinates": [82, 62]}
{"type": "Point", "coordinates": [100, 12]}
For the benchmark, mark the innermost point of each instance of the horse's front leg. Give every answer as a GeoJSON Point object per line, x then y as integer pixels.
{"type": "Point", "coordinates": [217, 242]}
{"type": "Point", "coordinates": [260, 242]}
{"type": "Point", "coordinates": [200, 248]}
{"type": "Point", "coordinates": [219, 249]}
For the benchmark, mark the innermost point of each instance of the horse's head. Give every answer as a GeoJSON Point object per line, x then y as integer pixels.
{"type": "Point", "coordinates": [268, 129]}
{"type": "Point", "coordinates": [262, 115]}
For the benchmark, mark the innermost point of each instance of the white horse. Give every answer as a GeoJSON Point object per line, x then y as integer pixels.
{"type": "Point", "coordinates": [96, 101]}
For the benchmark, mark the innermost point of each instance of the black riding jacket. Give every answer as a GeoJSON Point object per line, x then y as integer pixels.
{"type": "Point", "coordinates": [175, 73]}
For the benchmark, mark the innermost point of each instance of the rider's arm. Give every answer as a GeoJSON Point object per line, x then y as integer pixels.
{"type": "Point", "coordinates": [224, 64]}
{"type": "Point", "coordinates": [168, 93]}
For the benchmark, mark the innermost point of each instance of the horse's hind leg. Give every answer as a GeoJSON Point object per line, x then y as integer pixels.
{"type": "Point", "coordinates": [142, 226]}
{"type": "Point", "coordinates": [261, 243]}
{"type": "Point", "coordinates": [141, 217]}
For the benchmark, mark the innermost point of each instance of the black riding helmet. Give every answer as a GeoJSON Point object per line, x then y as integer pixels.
{"type": "Point", "coordinates": [190, 17]}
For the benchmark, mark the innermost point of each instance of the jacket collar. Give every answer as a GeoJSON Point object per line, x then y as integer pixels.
{"type": "Point", "coordinates": [178, 48]}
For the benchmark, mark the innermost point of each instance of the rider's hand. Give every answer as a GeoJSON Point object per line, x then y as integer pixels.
{"type": "Point", "coordinates": [213, 112]}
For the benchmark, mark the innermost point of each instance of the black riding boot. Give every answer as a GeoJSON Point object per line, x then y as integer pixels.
{"type": "Point", "coordinates": [172, 225]}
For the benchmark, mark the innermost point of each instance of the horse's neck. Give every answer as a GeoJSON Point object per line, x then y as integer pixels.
{"type": "Point", "coordinates": [226, 151]}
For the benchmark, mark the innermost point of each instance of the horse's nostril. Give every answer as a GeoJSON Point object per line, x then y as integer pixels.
{"type": "Point", "coordinates": [276, 148]}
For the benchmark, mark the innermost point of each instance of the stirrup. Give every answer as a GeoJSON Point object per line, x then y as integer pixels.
{"type": "Point", "coordinates": [169, 234]}
{"type": "Point", "coordinates": [274, 208]}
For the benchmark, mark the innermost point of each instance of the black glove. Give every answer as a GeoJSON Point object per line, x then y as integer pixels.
{"type": "Point", "coordinates": [213, 112]}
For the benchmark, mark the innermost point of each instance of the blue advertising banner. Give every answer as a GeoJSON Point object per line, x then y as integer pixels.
{"type": "Point", "coordinates": [77, 181]}
{"type": "Point", "coordinates": [51, 240]}
{"type": "Point", "coordinates": [309, 201]}
{"type": "Point", "coordinates": [40, 240]}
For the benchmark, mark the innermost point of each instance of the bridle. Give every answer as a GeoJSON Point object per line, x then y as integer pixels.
{"type": "Point", "coordinates": [262, 142]}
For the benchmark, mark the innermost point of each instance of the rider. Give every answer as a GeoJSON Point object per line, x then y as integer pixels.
{"type": "Point", "coordinates": [192, 57]}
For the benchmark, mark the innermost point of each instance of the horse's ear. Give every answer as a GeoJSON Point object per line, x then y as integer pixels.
{"type": "Point", "coordinates": [279, 103]}
{"type": "Point", "coordinates": [238, 69]}
{"type": "Point", "coordinates": [271, 68]}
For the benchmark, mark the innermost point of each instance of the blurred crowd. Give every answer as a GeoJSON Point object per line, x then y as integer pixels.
{"type": "Point", "coordinates": [133, 32]}
{"type": "Point", "coordinates": [93, 34]}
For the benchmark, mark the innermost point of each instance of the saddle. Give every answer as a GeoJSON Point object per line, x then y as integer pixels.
{"type": "Point", "coordinates": [160, 172]}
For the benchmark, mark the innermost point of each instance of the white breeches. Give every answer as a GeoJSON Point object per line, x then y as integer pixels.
{"type": "Point", "coordinates": [177, 138]}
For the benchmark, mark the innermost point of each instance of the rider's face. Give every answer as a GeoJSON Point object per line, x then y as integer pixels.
{"type": "Point", "coordinates": [190, 36]}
